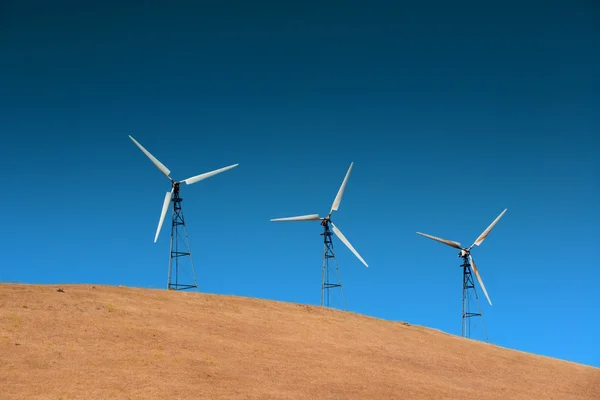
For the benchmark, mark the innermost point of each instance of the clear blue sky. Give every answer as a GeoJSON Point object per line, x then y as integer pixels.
{"type": "Point", "coordinates": [450, 113]}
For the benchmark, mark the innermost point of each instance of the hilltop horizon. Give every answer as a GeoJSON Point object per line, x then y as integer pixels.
{"type": "Point", "coordinates": [58, 285]}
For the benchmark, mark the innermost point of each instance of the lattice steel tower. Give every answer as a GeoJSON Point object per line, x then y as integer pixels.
{"type": "Point", "coordinates": [469, 287]}
{"type": "Point", "coordinates": [329, 257]}
{"type": "Point", "coordinates": [180, 246]}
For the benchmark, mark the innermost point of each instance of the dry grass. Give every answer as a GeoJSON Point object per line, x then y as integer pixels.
{"type": "Point", "coordinates": [110, 343]}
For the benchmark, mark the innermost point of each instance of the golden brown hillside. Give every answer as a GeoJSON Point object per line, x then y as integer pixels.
{"type": "Point", "coordinates": [122, 343]}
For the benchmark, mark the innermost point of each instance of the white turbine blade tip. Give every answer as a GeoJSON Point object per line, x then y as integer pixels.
{"type": "Point", "coordinates": [201, 177]}
{"type": "Point", "coordinates": [479, 279]}
{"type": "Point", "coordinates": [310, 217]}
{"type": "Point", "coordinates": [485, 233]}
{"type": "Point", "coordinates": [163, 213]}
{"type": "Point", "coordinates": [161, 167]}
{"type": "Point", "coordinates": [340, 235]}
{"type": "Point", "coordinates": [450, 243]}
{"type": "Point", "coordinates": [338, 197]}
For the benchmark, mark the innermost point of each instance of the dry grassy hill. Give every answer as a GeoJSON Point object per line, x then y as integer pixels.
{"type": "Point", "coordinates": [113, 342]}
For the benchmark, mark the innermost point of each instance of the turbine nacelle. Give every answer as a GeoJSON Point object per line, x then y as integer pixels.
{"type": "Point", "coordinates": [325, 221]}
{"type": "Point", "coordinates": [175, 187]}
{"type": "Point", "coordinates": [464, 253]}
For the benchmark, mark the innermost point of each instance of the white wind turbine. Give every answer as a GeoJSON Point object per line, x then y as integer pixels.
{"type": "Point", "coordinates": [468, 265]}
{"type": "Point", "coordinates": [328, 253]}
{"type": "Point", "coordinates": [178, 221]}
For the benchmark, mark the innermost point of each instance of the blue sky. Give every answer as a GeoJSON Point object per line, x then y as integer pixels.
{"type": "Point", "coordinates": [449, 113]}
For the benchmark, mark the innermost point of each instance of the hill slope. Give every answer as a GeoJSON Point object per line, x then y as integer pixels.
{"type": "Point", "coordinates": [115, 342]}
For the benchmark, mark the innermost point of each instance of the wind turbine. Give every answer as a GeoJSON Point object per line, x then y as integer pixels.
{"type": "Point", "coordinates": [328, 253]}
{"type": "Point", "coordinates": [468, 265]}
{"type": "Point", "coordinates": [178, 223]}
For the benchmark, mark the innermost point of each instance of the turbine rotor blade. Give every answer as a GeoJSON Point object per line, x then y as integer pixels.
{"type": "Point", "coordinates": [161, 167]}
{"type": "Point", "coordinates": [310, 217]}
{"type": "Point", "coordinates": [338, 197]}
{"type": "Point", "coordinates": [163, 213]}
{"type": "Point", "coordinates": [205, 175]}
{"type": "Point", "coordinates": [341, 236]}
{"type": "Point", "coordinates": [447, 242]}
{"type": "Point", "coordinates": [485, 233]}
{"type": "Point", "coordinates": [479, 279]}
